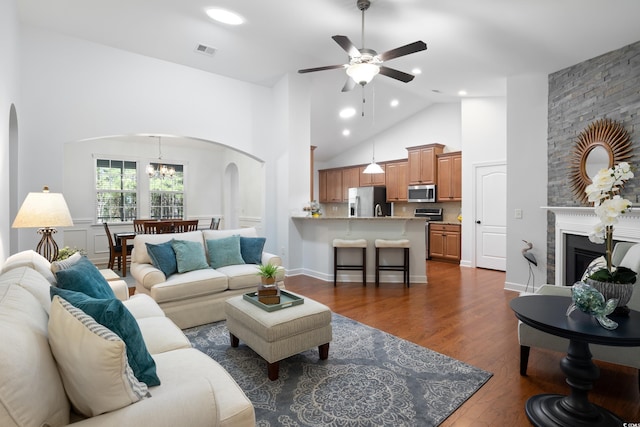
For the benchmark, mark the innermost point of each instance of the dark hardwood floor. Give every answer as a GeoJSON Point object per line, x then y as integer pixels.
{"type": "Point", "coordinates": [464, 313]}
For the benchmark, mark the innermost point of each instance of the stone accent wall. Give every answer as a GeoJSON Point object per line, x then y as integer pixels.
{"type": "Point", "coordinates": [607, 86]}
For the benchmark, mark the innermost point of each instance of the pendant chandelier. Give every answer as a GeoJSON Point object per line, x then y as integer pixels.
{"type": "Point", "coordinates": [163, 171]}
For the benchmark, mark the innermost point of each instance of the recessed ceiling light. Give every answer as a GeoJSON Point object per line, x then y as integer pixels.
{"type": "Point", "coordinates": [394, 103]}
{"type": "Point", "coordinates": [346, 132]}
{"type": "Point", "coordinates": [416, 71]}
{"type": "Point", "coordinates": [225, 16]}
{"type": "Point", "coordinates": [462, 92]}
{"type": "Point", "coordinates": [345, 113]}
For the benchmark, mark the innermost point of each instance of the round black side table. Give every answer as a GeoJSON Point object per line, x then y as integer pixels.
{"type": "Point", "coordinates": [548, 314]}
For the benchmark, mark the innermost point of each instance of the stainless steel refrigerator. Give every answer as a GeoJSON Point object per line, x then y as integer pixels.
{"type": "Point", "coordinates": [367, 202]}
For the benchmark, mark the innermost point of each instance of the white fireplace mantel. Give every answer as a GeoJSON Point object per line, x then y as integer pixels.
{"type": "Point", "coordinates": [580, 221]}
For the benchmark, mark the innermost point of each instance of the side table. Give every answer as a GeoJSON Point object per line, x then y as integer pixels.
{"type": "Point", "coordinates": [548, 314]}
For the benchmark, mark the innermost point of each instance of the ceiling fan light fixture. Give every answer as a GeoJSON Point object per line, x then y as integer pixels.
{"type": "Point", "coordinates": [362, 73]}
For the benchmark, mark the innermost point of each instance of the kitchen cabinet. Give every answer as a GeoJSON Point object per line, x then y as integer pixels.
{"type": "Point", "coordinates": [444, 242]}
{"type": "Point", "coordinates": [350, 179]}
{"type": "Point", "coordinates": [322, 186]}
{"type": "Point", "coordinates": [330, 185]}
{"type": "Point", "coordinates": [397, 181]}
{"type": "Point", "coordinates": [422, 163]}
{"type": "Point", "coordinates": [449, 177]}
{"type": "Point", "coordinates": [367, 179]}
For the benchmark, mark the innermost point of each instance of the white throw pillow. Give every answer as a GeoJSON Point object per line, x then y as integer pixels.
{"type": "Point", "coordinates": [65, 263]}
{"type": "Point", "coordinates": [92, 362]}
{"type": "Point", "coordinates": [631, 259]}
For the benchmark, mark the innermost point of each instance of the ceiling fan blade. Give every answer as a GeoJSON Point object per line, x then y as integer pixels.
{"type": "Point", "coordinates": [348, 85]}
{"type": "Point", "coordinates": [403, 50]}
{"type": "Point", "coordinates": [395, 74]}
{"type": "Point", "coordinates": [328, 67]}
{"type": "Point", "coordinates": [346, 44]}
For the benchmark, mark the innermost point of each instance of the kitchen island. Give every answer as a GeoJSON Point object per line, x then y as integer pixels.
{"type": "Point", "coordinates": [317, 234]}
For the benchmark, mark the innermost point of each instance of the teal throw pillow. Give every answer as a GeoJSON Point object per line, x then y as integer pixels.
{"type": "Point", "coordinates": [84, 277]}
{"type": "Point", "coordinates": [163, 257]}
{"type": "Point", "coordinates": [225, 251]}
{"type": "Point", "coordinates": [189, 255]}
{"type": "Point", "coordinates": [251, 249]}
{"type": "Point", "coordinates": [113, 315]}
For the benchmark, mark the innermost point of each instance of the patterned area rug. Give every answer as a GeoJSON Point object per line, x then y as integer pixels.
{"type": "Point", "coordinates": [370, 379]}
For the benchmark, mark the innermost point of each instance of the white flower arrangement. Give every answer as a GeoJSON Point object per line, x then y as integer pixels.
{"type": "Point", "coordinates": [604, 192]}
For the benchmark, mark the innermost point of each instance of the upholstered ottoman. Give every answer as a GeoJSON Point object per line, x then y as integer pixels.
{"type": "Point", "coordinates": [279, 334]}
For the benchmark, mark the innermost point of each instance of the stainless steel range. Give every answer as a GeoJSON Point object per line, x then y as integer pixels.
{"type": "Point", "coordinates": [429, 214]}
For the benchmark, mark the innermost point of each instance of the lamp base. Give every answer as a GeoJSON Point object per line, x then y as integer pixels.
{"type": "Point", "coordinates": [47, 247]}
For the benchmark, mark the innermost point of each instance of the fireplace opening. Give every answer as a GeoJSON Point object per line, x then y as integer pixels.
{"type": "Point", "coordinates": [579, 252]}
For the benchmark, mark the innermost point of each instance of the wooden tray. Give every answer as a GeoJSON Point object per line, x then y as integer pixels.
{"type": "Point", "coordinates": [286, 300]}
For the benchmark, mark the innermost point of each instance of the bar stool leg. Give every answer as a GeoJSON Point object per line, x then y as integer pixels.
{"type": "Point", "coordinates": [364, 266]}
{"type": "Point", "coordinates": [335, 266]}
{"type": "Point", "coordinates": [406, 265]}
{"type": "Point", "coordinates": [377, 267]}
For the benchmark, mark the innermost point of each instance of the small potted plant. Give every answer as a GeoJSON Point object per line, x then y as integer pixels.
{"type": "Point", "coordinates": [268, 291]}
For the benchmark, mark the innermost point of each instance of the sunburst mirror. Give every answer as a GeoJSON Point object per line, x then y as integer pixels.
{"type": "Point", "coordinates": [601, 145]}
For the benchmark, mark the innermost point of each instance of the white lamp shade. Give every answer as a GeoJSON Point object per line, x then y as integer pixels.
{"type": "Point", "coordinates": [42, 210]}
{"type": "Point", "coordinates": [362, 73]}
{"type": "Point", "coordinates": [373, 168]}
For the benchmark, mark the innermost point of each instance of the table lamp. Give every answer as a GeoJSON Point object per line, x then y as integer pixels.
{"type": "Point", "coordinates": [44, 211]}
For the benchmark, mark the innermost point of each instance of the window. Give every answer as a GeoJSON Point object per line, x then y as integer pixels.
{"type": "Point", "coordinates": [116, 190]}
{"type": "Point", "coordinates": [167, 194]}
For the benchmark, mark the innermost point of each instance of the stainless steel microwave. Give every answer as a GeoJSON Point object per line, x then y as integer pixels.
{"type": "Point", "coordinates": [422, 193]}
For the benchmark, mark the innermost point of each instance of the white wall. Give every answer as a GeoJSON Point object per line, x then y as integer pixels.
{"type": "Point", "coordinates": [527, 170]}
{"type": "Point", "coordinates": [9, 95]}
{"type": "Point", "coordinates": [484, 141]}
{"type": "Point", "coordinates": [74, 90]}
{"type": "Point", "coordinates": [438, 123]}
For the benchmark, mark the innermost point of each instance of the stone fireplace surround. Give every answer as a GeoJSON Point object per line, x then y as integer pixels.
{"type": "Point", "coordinates": [580, 221]}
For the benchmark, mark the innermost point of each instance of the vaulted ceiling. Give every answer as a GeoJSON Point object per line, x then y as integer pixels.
{"type": "Point", "coordinates": [473, 45]}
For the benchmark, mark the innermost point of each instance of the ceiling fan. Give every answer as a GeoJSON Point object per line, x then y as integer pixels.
{"type": "Point", "coordinates": [365, 63]}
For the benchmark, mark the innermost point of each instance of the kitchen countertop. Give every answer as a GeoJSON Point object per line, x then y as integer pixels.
{"type": "Point", "coordinates": [378, 218]}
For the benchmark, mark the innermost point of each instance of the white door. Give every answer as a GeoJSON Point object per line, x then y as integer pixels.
{"type": "Point", "coordinates": [491, 216]}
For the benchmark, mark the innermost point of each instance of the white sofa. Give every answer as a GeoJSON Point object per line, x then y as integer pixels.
{"type": "Point", "coordinates": [628, 356]}
{"type": "Point", "coordinates": [195, 390]}
{"type": "Point", "coordinates": [196, 297]}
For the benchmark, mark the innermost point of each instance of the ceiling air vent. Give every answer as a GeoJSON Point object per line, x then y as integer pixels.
{"type": "Point", "coordinates": [205, 50]}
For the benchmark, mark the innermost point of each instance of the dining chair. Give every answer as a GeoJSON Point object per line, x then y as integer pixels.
{"type": "Point", "coordinates": [215, 224]}
{"type": "Point", "coordinates": [187, 225]}
{"type": "Point", "coordinates": [115, 250]}
{"type": "Point", "coordinates": [158, 227]}
{"type": "Point", "coordinates": [138, 225]}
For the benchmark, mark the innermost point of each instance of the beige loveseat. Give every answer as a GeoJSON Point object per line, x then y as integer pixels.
{"type": "Point", "coordinates": [625, 254]}
{"type": "Point", "coordinates": [196, 297]}
{"type": "Point", "coordinates": [195, 390]}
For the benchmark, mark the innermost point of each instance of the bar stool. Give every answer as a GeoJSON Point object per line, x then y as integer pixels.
{"type": "Point", "coordinates": [404, 244]}
{"type": "Point", "coordinates": [357, 243]}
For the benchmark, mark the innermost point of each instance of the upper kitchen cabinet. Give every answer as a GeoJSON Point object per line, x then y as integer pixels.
{"type": "Point", "coordinates": [367, 179]}
{"type": "Point", "coordinates": [330, 185]}
{"type": "Point", "coordinates": [397, 181]}
{"type": "Point", "coordinates": [350, 179]}
{"type": "Point", "coordinates": [422, 163]}
{"type": "Point", "coordinates": [449, 177]}
{"type": "Point", "coordinates": [322, 186]}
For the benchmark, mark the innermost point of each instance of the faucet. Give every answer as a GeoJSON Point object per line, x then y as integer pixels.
{"type": "Point", "coordinates": [378, 211]}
